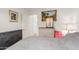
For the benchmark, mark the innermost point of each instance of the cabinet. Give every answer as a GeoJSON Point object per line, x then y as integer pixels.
{"type": "Point", "coordinates": [46, 32]}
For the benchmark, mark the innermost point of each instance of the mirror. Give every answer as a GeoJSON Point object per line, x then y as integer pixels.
{"type": "Point", "coordinates": [49, 14]}
{"type": "Point", "coordinates": [49, 17]}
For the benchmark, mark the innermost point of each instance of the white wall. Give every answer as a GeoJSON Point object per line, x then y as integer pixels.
{"type": "Point", "coordinates": [29, 16]}
{"type": "Point", "coordinates": [33, 17]}
{"type": "Point", "coordinates": [24, 22]}
{"type": "Point", "coordinates": [37, 11]}
{"type": "Point", "coordinates": [5, 24]}
{"type": "Point", "coordinates": [77, 17]}
{"type": "Point", "coordinates": [63, 14]}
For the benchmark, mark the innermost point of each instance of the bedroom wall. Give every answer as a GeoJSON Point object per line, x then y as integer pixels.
{"type": "Point", "coordinates": [77, 17]}
{"type": "Point", "coordinates": [23, 21]}
{"type": "Point", "coordinates": [5, 24]}
{"type": "Point", "coordinates": [37, 11]}
{"type": "Point", "coordinates": [64, 15]}
{"type": "Point", "coordinates": [29, 25]}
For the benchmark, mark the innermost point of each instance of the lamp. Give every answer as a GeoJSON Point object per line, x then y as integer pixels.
{"type": "Point", "coordinates": [69, 24]}
{"type": "Point", "coordinates": [71, 27]}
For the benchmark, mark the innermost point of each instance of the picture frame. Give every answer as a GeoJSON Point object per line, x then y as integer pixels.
{"type": "Point", "coordinates": [13, 16]}
{"type": "Point", "coordinates": [50, 14]}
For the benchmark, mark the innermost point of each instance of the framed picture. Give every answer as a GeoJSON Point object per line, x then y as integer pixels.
{"type": "Point", "coordinates": [49, 14]}
{"type": "Point", "coordinates": [13, 16]}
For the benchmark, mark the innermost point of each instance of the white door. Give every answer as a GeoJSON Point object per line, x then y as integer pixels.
{"type": "Point", "coordinates": [33, 24]}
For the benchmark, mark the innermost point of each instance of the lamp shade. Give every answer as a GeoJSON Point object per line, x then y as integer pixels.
{"type": "Point", "coordinates": [71, 26]}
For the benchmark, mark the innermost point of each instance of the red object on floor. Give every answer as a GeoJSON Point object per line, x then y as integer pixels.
{"type": "Point", "coordinates": [57, 34]}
